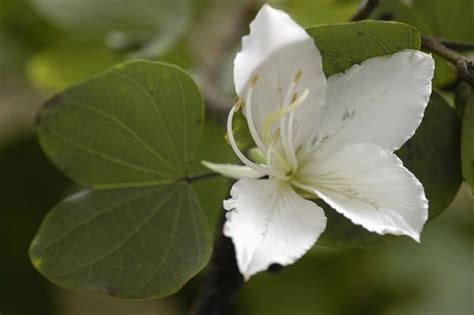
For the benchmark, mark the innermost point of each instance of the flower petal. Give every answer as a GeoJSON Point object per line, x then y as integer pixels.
{"type": "Point", "coordinates": [277, 49]}
{"type": "Point", "coordinates": [380, 101]}
{"type": "Point", "coordinates": [370, 186]}
{"type": "Point", "coordinates": [233, 170]}
{"type": "Point", "coordinates": [270, 223]}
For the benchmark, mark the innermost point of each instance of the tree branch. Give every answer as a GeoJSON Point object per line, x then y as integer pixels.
{"type": "Point", "coordinates": [464, 66]}
{"type": "Point", "coordinates": [366, 7]}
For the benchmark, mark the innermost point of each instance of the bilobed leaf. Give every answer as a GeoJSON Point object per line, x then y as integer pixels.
{"type": "Point", "coordinates": [467, 144]}
{"type": "Point", "coordinates": [136, 125]}
{"type": "Point", "coordinates": [432, 154]}
{"type": "Point", "coordinates": [130, 134]}
{"type": "Point", "coordinates": [346, 44]}
{"type": "Point", "coordinates": [130, 243]}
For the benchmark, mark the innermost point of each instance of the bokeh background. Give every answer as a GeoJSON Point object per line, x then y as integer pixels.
{"type": "Point", "coordinates": [43, 50]}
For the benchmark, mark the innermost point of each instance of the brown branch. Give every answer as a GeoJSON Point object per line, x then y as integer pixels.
{"type": "Point", "coordinates": [464, 66]}
{"type": "Point", "coordinates": [366, 7]}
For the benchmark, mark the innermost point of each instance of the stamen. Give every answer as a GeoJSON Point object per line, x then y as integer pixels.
{"type": "Point", "coordinates": [276, 115]}
{"type": "Point", "coordinates": [248, 114]}
{"type": "Point", "coordinates": [287, 101]}
{"type": "Point", "coordinates": [274, 172]}
{"type": "Point", "coordinates": [298, 75]}
{"type": "Point", "coordinates": [293, 161]}
{"type": "Point", "coordinates": [235, 148]}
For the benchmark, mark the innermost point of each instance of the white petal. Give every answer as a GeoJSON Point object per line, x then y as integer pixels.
{"type": "Point", "coordinates": [233, 170]}
{"type": "Point", "coordinates": [370, 186]}
{"type": "Point", "coordinates": [270, 223]}
{"type": "Point", "coordinates": [380, 101]}
{"type": "Point", "coordinates": [276, 49]}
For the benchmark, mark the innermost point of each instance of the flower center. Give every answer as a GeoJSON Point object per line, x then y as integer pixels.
{"type": "Point", "coordinates": [277, 146]}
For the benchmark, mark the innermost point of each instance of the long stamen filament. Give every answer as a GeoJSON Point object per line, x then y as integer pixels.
{"type": "Point", "coordinates": [248, 114]}
{"type": "Point", "coordinates": [286, 103]}
{"type": "Point", "coordinates": [289, 135]}
{"type": "Point", "coordinates": [235, 148]}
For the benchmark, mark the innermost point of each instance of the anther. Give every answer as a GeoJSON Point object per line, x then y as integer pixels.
{"type": "Point", "coordinates": [254, 80]}
{"type": "Point", "coordinates": [297, 76]}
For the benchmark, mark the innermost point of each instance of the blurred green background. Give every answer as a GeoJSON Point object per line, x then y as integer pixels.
{"type": "Point", "coordinates": [43, 50]}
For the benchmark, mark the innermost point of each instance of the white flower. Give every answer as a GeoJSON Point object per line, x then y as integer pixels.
{"type": "Point", "coordinates": [331, 138]}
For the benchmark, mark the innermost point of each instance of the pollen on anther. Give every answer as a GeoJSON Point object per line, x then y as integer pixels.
{"type": "Point", "coordinates": [298, 75]}
{"type": "Point", "coordinates": [254, 80]}
{"type": "Point", "coordinates": [294, 98]}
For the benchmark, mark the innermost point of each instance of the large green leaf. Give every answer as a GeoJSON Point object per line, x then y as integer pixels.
{"type": "Point", "coordinates": [150, 25]}
{"type": "Point", "coordinates": [136, 125]}
{"type": "Point", "coordinates": [432, 154]}
{"type": "Point", "coordinates": [467, 144]}
{"type": "Point", "coordinates": [343, 45]}
{"type": "Point", "coordinates": [131, 243]}
{"type": "Point", "coordinates": [131, 134]}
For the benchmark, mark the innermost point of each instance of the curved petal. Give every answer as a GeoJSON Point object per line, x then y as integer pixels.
{"type": "Point", "coordinates": [270, 223]}
{"type": "Point", "coordinates": [279, 51]}
{"type": "Point", "coordinates": [233, 170]}
{"type": "Point", "coordinates": [371, 187]}
{"type": "Point", "coordinates": [380, 101]}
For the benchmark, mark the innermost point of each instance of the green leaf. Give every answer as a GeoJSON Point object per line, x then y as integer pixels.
{"type": "Point", "coordinates": [132, 133]}
{"type": "Point", "coordinates": [151, 26]}
{"type": "Point", "coordinates": [346, 44]}
{"type": "Point", "coordinates": [130, 243]}
{"type": "Point", "coordinates": [467, 144]}
{"type": "Point", "coordinates": [432, 154]}
{"type": "Point", "coordinates": [135, 125]}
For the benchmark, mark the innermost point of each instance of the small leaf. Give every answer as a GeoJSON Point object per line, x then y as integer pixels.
{"type": "Point", "coordinates": [432, 154]}
{"type": "Point", "coordinates": [136, 125]}
{"type": "Point", "coordinates": [346, 44]}
{"type": "Point", "coordinates": [130, 243]}
{"type": "Point", "coordinates": [467, 144]}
